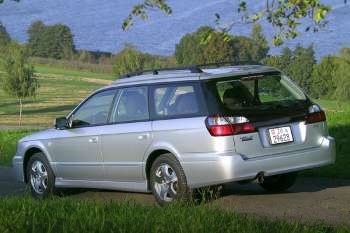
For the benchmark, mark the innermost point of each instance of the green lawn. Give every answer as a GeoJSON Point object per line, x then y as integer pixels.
{"type": "Point", "coordinates": [69, 215]}
{"type": "Point", "coordinates": [45, 69]}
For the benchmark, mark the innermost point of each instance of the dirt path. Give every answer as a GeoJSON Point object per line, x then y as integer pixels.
{"type": "Point", "coordinates": [310, 200]}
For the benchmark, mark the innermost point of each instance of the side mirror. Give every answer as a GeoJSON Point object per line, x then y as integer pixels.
{"type": "Point", "coordinates": [61, 123]}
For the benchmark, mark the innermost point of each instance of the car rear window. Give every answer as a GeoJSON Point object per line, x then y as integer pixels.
{"type": "Point", "coordinates": [253, 94]}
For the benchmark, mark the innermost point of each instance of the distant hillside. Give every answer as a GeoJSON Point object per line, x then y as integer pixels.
{"type": "Point", "coordinates": [96, 24]}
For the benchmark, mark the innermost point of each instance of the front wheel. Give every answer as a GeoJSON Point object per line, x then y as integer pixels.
{"type": "Point", "coordinates": [41, 179]}
{"type": "Point", "coordinates": [279, 183]}
{"type": "Point", "coordinates": [168, 181]}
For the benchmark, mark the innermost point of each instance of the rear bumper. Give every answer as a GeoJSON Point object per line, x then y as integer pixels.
{"type": "Point", "coordinates": [210, 169]}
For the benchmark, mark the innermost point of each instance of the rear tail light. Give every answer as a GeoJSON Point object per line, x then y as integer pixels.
{"type": "Point", "coordinates": [316, 114]}
{"type": "Point", "coordinates": [226, 126]}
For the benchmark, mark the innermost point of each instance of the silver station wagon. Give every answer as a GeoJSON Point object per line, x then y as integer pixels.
{"type": "Point", "coordinates": [173, 131]}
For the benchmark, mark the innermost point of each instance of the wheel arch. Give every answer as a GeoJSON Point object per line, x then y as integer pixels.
{"type": "Point", "coordinates": [27, 155]}
{"type": "Point", "coordinates": [153, 155]}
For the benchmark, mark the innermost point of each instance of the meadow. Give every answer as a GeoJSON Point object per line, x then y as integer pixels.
{"type": "Point", "coordinates": [69, 215]}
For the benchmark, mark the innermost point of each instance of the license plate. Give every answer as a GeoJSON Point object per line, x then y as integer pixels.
{"type": "Point", "coordinates": [280, 135]}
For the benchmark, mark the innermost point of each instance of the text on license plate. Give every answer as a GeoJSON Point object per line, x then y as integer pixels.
{"type": "Point", "coordinates": [280, 135]}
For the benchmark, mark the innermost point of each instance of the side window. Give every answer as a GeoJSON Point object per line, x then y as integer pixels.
{"type": "Point", "coordinates": [131, 105]}
{"type": "Point", "coordinates": [172, 101]}
{"type": "Point", "coordinates": [95, 110]}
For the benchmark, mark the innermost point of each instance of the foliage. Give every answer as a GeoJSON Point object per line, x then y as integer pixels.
{"type": "Point", "coordinates": [342, 77]}
{"type": "Point", "coordinates": [297, 64]}
{"type": "Point", "coordinates": [140, 10]}
{"type": "Point", "coordinates": [285, 16]}
{"type": "Point", "coordinates": [260, 47]}
{"type": "Point", "coordinates": [72, 215]}
{"type": "Point", "coordinates": [18, 80]}
{"type": "Point", "coordinates": [219, 47]}
{"type": "Point", "coordinates": [131, 60]}
{"type": "Point", "coordinates": [54, 41]}
{"type": "Point", "coordinates": [4, 36]}
{"type": "Point", "coordinates": [323, 78]}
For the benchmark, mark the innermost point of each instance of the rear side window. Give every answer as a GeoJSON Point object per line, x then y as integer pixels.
{"type": "Point", "coordinates": [131, 105]}
{"type": "Point", "coordinates": [176, 101]}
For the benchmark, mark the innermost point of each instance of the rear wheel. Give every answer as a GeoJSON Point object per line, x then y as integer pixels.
{"type": "Point", "coordinates": [168, 181]}
{"type": "Point", "coordinates": [41, 179]}
{"type": "Point", "coordinates": [279, 183]}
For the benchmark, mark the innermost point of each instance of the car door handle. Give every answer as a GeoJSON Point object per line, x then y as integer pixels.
{"type": "Point", "coordinates": [143, 136]}
{"type": "Point", "coordinates": [93, 140]}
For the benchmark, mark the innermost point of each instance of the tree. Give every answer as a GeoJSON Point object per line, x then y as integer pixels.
{"type": "Point", "coordinates": [128, 60]}
{"type": "Point", "coordinates": [131, 60]}
{"type": "Point", "coordinates": [35, 32]}
{"type": "Point", "coordinates": [4, 36]}
{"type": "Point", "coordinates": [297, 64]}
{"type": "Point", "coordinates": [288, 17]}
{"type": "Point", "coordinates": [17, 79]}
{"type": "Point", "coordinates": [54, 41]}
{"type": "Point", "coordinates": [192, 50]}
{"type": "Point", "coordinates": [301, 68]}
{"type": "Point", "coordinates": [342, 75]}
{"type": "Point", "coordinates": [323, 78]}
{"type": "Point", "coordinates": [218, 47]}
{"type": "Point", "coordinates": [260, 43]}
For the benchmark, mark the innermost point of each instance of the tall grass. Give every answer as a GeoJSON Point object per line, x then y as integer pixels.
{"type": "Point", "coordinates": [68, 215]}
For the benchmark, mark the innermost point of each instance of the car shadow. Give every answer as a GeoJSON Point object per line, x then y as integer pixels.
{"type": "Point", "coordinates": [302, 185]}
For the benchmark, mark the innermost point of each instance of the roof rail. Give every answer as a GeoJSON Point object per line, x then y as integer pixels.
{"type": "Point", "coordinates": [192, 68]}
{"type": "Point", "coordinates": [229, 63]}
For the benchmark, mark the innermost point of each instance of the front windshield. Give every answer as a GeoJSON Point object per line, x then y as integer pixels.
{"type": "Point", "coordinates": [264, 91]}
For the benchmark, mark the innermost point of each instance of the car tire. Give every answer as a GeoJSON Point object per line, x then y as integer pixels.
{"type": "Point", "coordinates": [279, 183]}
{"type": "Point", "coordinates": [168, 181]}
{"type": "Point", "coordinates": [40, 177]}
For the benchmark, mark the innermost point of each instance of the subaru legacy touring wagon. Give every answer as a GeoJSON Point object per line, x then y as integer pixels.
{"type": "Point", "coordinates": [173, 131]}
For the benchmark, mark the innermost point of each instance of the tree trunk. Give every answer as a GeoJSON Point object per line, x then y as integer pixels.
{"type": "Point", "coordinates": [20, 112]}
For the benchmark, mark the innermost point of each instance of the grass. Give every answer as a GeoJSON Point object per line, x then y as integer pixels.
{"type": "Point", "coordinates": [45, 69]}
{"type": "Point", "coordinates": [8, 140]}
{"type": "Point", "coordinates": [68, 215]}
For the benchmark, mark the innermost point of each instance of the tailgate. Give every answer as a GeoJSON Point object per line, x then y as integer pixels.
{"type": "Point", "coordinates": [258, 144]}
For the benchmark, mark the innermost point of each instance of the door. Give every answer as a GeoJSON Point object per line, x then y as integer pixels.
{"type": "Point", "coordinates": [127, 137]}
{"type": "Point", "coordinates": [77, 150]}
